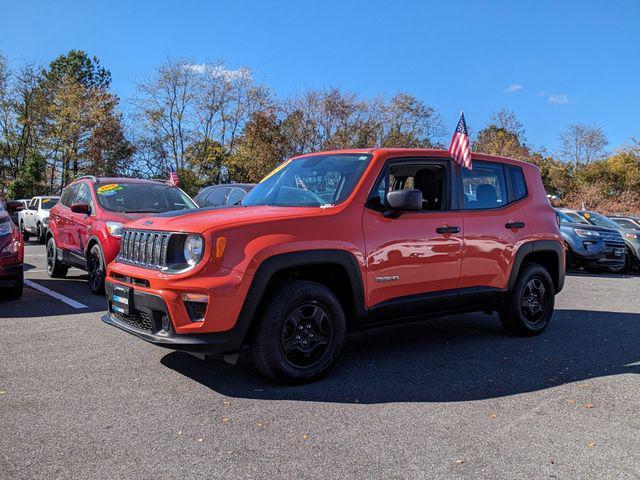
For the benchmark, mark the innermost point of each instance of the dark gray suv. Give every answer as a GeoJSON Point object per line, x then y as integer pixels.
{"type": "Point", "coordinates": [592, 247]}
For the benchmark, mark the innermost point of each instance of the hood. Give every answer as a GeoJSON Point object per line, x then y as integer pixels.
{"type": "Point", "coordinates": [124, 217]}
{"type": "Point", "coordinates": [584, 226]}
{"type": "Point", "coordinates": [202, 219]}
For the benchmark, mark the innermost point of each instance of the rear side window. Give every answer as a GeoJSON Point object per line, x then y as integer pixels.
{"type": "Point", "coordinates": [484, 187]}
{"type": "Point", "coordinates": [213, 197]}
{"type": "Point", "coordinates": [235, 196]}
{"type": "Point", "coordinates": [518, 182]}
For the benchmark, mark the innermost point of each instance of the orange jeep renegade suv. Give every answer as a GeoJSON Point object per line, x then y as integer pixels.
{"type": "Point", "coordinates": [334, 242]}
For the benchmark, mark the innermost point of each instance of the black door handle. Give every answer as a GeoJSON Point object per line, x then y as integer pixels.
{"type": "Point", "coordinates": [514, 225]}
{"type": "Point", "coordinates": [448, 230]}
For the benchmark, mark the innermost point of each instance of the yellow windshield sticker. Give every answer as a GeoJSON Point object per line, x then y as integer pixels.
{"type": "Point", "coordinates": [586, 215]}
{"type": "Point", "coordinates": [276, 170]}
{"type": "Point", "coordinates": [46, 200]}
{"type": "Point", "coordinates": [109, 189]}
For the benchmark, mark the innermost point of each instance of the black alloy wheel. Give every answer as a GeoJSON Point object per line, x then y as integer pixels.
{"type": "Point", "coordinates": [96, 270]}
{"type": "Point", "coordinates": [305, 335]}
{"type": "Point", "coordinates": [533, 300]}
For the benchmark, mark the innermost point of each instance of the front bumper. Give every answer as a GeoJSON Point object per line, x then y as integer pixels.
{"type": "Point", "coordinates": [146, 322]}
{"type": "Point", "coordinates": [603, 257]}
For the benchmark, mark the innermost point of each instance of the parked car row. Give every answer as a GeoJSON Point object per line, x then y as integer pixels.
{"type": "Point", "coordinates": [328, 243]}
{"type": "Point", "coordinates": [83, 228]}
{"type": "Point", "coordinates": [598, 243]}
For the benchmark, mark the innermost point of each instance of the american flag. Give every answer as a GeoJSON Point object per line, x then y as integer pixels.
{"type": "Point", "coordinates": [459, 148]}
{"type": "Point", "coordinates": [174, 179]}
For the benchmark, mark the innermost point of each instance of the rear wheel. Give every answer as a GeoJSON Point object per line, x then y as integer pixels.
{"type": "Point", "coordinates": [530, 306]}
{"type": "Point", "coordinates": [26, 235]}
{"type": "Point", "coordinates": [41, 234]}
{"type": "Point", "coordinates": [301, 333]}
{"type": "Point", "coordinates": [55, 268]}
{"type": "Point", "coordinates": [96, 269]}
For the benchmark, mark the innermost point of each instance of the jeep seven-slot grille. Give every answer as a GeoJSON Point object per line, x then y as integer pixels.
{"type": "Point", "coordinates": [144, 248]}
{"type": "Point", "coordinates": [613, 239]}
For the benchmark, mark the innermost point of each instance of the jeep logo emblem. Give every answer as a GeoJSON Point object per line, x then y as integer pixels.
{"type": "Point", "coordinates": [148, 222]}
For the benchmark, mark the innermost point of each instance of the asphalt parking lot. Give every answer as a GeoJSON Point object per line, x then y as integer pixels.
{"type": "Point", "coordinates": [454, 397]}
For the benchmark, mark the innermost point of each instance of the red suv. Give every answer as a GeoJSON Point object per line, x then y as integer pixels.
{"type": "Point", "coordinates": [86, 225]}
{"type": "Point", "coordinates": [11, 257]}
{"type": "Point", "coordinates": [335, 242]}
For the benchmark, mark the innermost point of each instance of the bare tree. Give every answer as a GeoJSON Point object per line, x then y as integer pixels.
{"type": "Point", "coordinates": [165, 105]}
{"type": "Point", "coordinates": [506, 120]}
{"type": "Point", "coordinates": [583, 144]}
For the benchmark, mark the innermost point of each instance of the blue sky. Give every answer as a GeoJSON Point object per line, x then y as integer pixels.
{"type": "Point", "coordinates": [552, 62]}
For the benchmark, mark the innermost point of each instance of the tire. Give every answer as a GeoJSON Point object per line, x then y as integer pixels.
{"type": "Point", "coordinates": [15, 292]}
{"type": "Point", "coordinates": [55, 268]}
{"type": "Point", "coordinates": [96, 270]}
{"type": "Point", "coordinates": [627, 268]}
{"type": "Point", "coordinates": [286, 345]}
{"type": "Point", "coordinates": [534, 284]}
{"type": "Point", "coordinates": [41, 234]}
{"type": "Point", "coordinates": [569, 261]}
{"type": "Point", "coordinates": [25, 235]}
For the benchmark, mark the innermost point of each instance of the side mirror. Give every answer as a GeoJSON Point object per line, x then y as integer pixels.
{"type": "Point", "coordinates": [83, 208]}
{"type": "Point", "coordinates": [405, 200]}
{"type": "Point", "coordinates": [13, 206]}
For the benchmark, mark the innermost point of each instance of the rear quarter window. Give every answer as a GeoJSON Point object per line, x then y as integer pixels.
{"type": "Point", "coordinates": [518, 183]}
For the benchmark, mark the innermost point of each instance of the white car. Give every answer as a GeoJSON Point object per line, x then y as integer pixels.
{"type": "Point", "coordinates": [34, 219]}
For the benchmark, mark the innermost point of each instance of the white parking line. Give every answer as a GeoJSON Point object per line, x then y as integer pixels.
{"type": "Point", "coordinates": [58, 296]}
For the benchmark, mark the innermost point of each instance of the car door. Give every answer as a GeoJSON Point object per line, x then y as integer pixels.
{"type": "Point", "coordinates": [29, 223]}
{"type": "Point", "coordinates": [63, 220]}
{"type": "Point", "coordinates": [79, 223]}
{"type": "Point", "coordinates": [494, 223]}
{"type": "Point", "coordinates": [416, 254]}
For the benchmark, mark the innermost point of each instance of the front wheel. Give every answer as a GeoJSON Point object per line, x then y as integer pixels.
{"type": "Point", "coordinates": [623, 268]}
{"type": "Point", "coordinates": [95, 267]}
{"type": "Point", "coordinates": [301, 333]}
{"type": "Point", "coordinates": [529, 308]}
{"type": "Point", "coordinates": [55, 268]}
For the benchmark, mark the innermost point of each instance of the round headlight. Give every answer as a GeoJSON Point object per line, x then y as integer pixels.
{"type": "Point", "coordinates": [193, 249]}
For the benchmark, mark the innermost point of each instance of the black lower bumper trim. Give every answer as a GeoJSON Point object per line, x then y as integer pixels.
{"type": "Point", "coordinates": [153, 306]}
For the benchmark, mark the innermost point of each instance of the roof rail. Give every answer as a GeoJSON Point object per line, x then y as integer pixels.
{"type": "Point", "coordinates": [90, 177]}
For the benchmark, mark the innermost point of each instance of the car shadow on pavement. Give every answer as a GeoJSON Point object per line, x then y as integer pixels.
{"type": "Point", "coordinates": [459, 358]}
{"type": "Point", "coordinates": [36, 304]}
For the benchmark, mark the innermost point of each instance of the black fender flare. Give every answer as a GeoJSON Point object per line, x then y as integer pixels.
{"type": "Point", "coordinates": [274, 264]}
{"type": "Point", "coordinates": [539, 246]}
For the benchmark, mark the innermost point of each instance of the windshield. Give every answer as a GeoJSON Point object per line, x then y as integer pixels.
{"type": "Point", "coordinates": [48, 203]}
{"type": "Point", "coordinates": [570, 217]}
{"type": "Point", "coordinates": [142, 198]}
{"type": "Point", "coordinates": [311, 181]}
{"type": "Point", "coordinates": [600, 220]}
